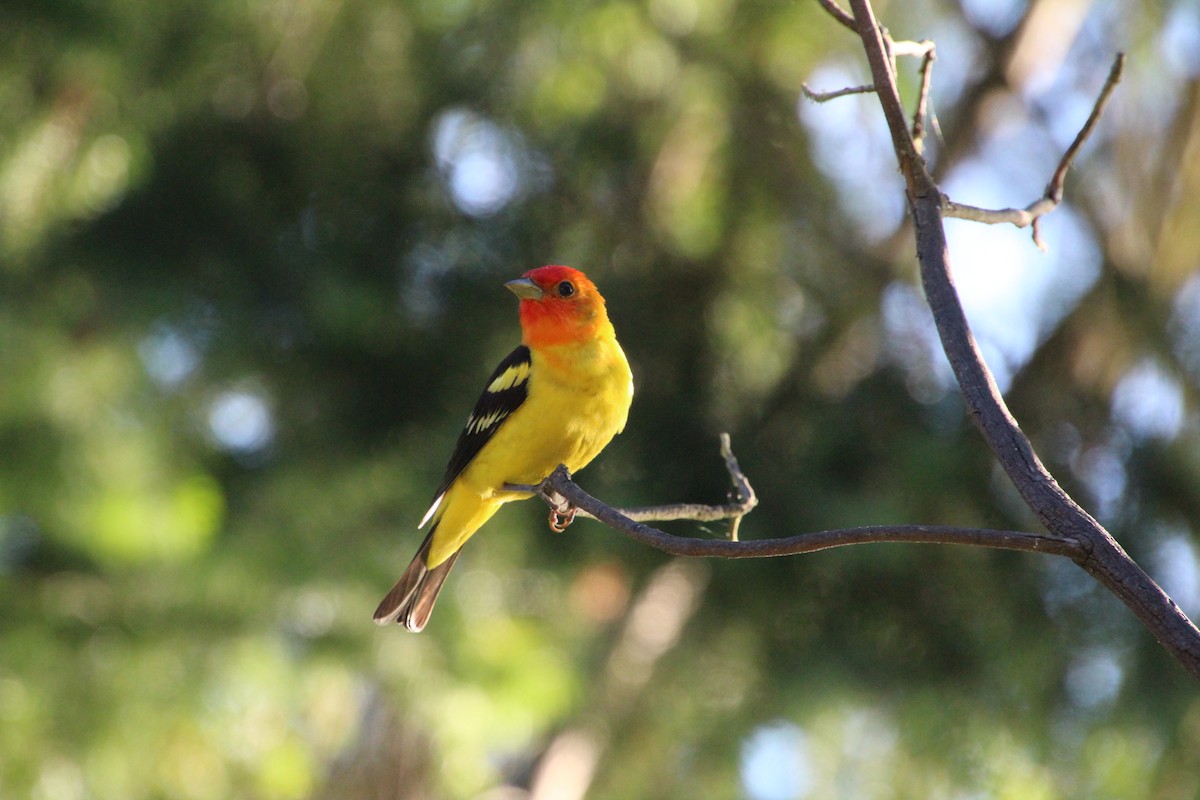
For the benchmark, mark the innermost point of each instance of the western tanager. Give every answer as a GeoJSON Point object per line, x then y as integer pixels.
{"type": "Point", "coordinates": [559, 398]}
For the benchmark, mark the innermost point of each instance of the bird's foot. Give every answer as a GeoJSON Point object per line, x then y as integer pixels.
{"type": "Point", "coordinates": [560, 519]}
{"type": "Point", "coordinates": [562, 513]}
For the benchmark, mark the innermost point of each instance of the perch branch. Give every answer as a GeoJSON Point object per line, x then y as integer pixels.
{"type": "Point", "coordinates": [744, 502]}
{"type": "Point", "coordinates": [560, 493]}
{"type": "Point", "coordinates": [1052, 197]}
{"type": "Point", "coordinates": [559, 483]}
{"type": "Point", "coordinates": [1099, 554]}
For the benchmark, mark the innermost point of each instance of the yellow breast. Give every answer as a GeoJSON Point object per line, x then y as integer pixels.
{"type": "Point", "coordinates": [578, 400]}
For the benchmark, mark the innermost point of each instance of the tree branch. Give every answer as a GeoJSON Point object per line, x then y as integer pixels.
{"type": "Point", "coordinates": [744, 503]}
{"type": "Point", "coordinates": [1054, 189]}
{"type": "Point", "coordinates": [1072, 531]}
{"type": "Point", "coordinates": [561, 494]}
{"type": "Point", "coordinates": [825, 97]}
{"type": "Point", "coordinates": [1052, 197]}
{"type": "Point", "coordinates": [1101, 556]}
{"type": "Point", "coordinates": [922, 111]}
{"type": "Point", "coordinates": [839, 14]}
{"type": "Point", "coordinates": [878, 49]}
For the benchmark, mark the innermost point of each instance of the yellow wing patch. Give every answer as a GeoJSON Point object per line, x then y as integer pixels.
{"type": "Point", "coordinates": [480, 424]}
{"type": "Point", "coordinates": [513, 376]}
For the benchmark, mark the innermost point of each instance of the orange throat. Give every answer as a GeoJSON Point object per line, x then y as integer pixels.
{"type": "Point", "coordinates": [547, 325]}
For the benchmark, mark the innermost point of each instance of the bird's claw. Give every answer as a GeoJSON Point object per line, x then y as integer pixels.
{"type": "Point", "coordinates": [560, 519]}
{"type": "Point", "coordinates": [562, 513]}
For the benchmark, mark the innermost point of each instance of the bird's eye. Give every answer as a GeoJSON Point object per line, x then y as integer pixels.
{"type": "Point", "coordinates": [566, 289]}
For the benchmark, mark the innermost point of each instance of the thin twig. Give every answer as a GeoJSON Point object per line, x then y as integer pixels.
{"type": "Point", "coordinates": [744, 502]}
{"type": "Point", "coordinates": [1052, 197]}
{"type": "Point", "coordinates": [838, 13]}
{"type": "Point", "coordinates": [1020, 217]}
{"type": "Point", "coordinates": [825, 97]}
{"type": "Point", "coordinates": [878, 47]}
{"type": "Point", "coordinates": [920, 49]}
{"type": "Point", "coordinates": [919, 116]}
{"type": "Point", "coordinates": [1054, 189]}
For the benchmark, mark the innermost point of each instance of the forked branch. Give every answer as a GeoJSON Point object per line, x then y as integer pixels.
{"type": "Point", "coordinates": [1072, 532]}
{"type": "Point", "coordinates": [562, 494]}
{"type": "Point", "coordinates": [743, 503]}
{"type": "Point", "coordinates": [1027, 217]}
{"type": "Point", "coordinates": [1052, 197]}
{"type": "Point", "coordinates": [1102, 557]}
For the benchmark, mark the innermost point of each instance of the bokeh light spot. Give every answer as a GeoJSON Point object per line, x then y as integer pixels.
{"type": "Point", "coordinates": [1149, 402]}
{"type": "Point", "coordinates": [240, 420]}
{"type": "Point", "coordinates": [478, 161]}
{"type": "Point", "coordinates": [776, 763]}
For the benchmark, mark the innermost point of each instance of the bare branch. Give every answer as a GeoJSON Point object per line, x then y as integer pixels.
{"type": "Point", "coordinates": [562, 495]}
{"type": "Point", "coordinates": [560, 485]}
{"type": "Point", "coordinates": [1054, 189]}
{"type": "Point", "coordinates": [1020, 217]}
{"type": "Point", "coordinates": [878, 46]}
{"type": "Point", "coordinates": [919, 116]}
{"type": "Point", "coordinates": [744, 503]}
{"type": "Point", "coordinates": [921, 49]}
{"type": "Point", "coordinates": [1101, 556]}
{"type": "Point", "coordinates": [838, 13]}
{"type": "Point", "coordinates": [825, 97]}
{"type": "Point", "coordinates": [1052, 197]}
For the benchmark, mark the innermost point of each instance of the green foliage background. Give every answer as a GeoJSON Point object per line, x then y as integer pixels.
{"type": "Point", "coordinates": [246, 300]}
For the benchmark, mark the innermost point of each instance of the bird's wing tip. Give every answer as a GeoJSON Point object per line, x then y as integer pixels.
{"type": "Point", "coordinates": [437, 501]}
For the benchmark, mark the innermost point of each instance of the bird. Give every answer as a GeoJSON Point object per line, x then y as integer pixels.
{"type": "Point", "coordinates": [558, 398]}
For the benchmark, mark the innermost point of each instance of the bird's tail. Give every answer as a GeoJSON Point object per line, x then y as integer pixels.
{"type": "Point", "coordinates": [410, 602]}
{"type": "Point", "coordinates": [456, 517]}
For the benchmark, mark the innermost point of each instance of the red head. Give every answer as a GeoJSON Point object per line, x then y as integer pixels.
{"type": "Point", "coordinates": [559, 305]}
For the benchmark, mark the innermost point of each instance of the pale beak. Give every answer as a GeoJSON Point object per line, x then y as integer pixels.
{"type": "Point", "coordinates": [525, 289]}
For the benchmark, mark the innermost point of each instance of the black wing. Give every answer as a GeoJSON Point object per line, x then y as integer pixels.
{"type": "Point", "coordinates": [506, 390]}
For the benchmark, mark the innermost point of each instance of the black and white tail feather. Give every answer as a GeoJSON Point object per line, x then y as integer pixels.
{"type": "Point", "coordinates": [410, 602]}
